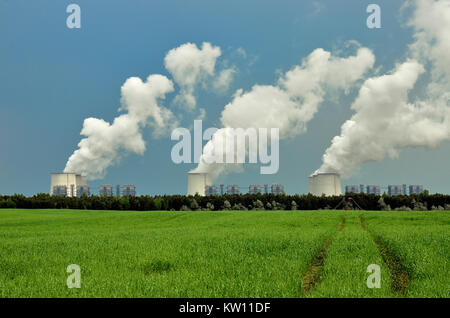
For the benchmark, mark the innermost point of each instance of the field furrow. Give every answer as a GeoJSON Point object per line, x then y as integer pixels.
{"type": "Point", "coordinates": [348, 257]}
{"type": "Point", "coordinates": [398, 272]}
{"type": "Point", "coordinates": [314, 273]}
{"type": "Point", "coordinates": [420, 242]}
{"type": "Point", "coordinates": [222, 254]}
{"type": "Point", "coordinates": [159, 254]}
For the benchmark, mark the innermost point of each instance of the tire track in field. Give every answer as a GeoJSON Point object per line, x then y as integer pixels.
{"type": "Point", "coordinates": [314, 273]}
{"type": "Point", "coordinates": [398, 272]}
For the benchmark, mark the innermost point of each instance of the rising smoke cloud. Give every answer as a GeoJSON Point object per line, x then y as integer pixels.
{"type": "Point", "coordinates": [385, 121]}
{"type": "Point", "coordinates": [104, 143]}
{"type": "Point", "coordinates": [291, 103]}
{"type": "Point", "coordinates": [190, 66]}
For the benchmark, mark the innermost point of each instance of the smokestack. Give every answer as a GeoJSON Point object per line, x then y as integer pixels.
{"type": "Point", "coordinates": [67, 184]}
{"type": "Point", "coordinates": [103, 142]}
{"type": "Point", "coordinates": [197, 183]}
{"type": "Point", "coordinates": [295, 98]}
{"type": "Point", "coordinates": [325, 183]}
{"type": "Point", "coordinates": [369, 134]}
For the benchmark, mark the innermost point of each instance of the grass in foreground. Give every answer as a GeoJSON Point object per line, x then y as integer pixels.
{"type": "Point", "coordinates": [345, 269]}
{"type": "Point", "coordinates": [421, 243]}
{"type": "Point", "coordinates": [159, 254]}
{"type": "Point", "coordinates": [216, 254]}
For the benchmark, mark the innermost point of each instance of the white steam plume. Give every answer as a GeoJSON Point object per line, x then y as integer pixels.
{"type": "Point", "coordinates": [104, 142]}
{"type": "Point", "coordinates": [189, 66]}
{"type": "Point", "coordinates": [290, 104]}
{"type": "Point", "coordinates": [385, 121]}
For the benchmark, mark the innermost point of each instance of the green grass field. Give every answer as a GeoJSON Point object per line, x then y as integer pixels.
{"type": "Point", "coordinates": [223, 254]}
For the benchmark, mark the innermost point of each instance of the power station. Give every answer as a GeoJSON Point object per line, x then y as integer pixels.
{"type": "Point", "coordinates": [68, 184]}
{"type": "Point", "coordinates": [197, 182]}
{"type": "Point", "coordinates": [75, 185]}
{"type": "Point", "coordinates": [127, 190]}
{"type": "Point", "coordinates": [325, 183]}
{"type": "Point", "coordinates": [391, 189]}
{"type": "Point", "coordinates": [235, 189]}
{"type": "Point", "coordinates": [319, 183]}
{"type": "Point", "coordinates": [328, 183]}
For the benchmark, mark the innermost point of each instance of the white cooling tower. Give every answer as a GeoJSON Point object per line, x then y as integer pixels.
{"type": "Point", "coordinates": [68, 180]}
{"type": "Point", "coordinates": [197, 183]}
{"type": "Point", "coordinates": [325, 183]}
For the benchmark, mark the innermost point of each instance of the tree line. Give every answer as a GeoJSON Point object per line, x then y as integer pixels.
{"type": "Point", "coordinates": [423, 201]}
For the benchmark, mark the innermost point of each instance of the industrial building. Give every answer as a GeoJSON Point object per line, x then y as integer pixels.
{"type": "Point", "coordinates": [277, 189]}
{"type": "Point", "coordinates": [210, 190]}
{"type": "Point", "coordinates": [395, 189]}
{"type": "Point", "coordinates": [233, 189]}
{"type": "Point", "coordinates": [391, 189]}
{"type": "Point", "coordinates": [83, 189]}
{"type": "Point", "coordinates": [415, 189]}
{"type": "Point", "coordinates": [351, 189]}
{"type": "Point", "coordinates": [325, 183]}
{"type": "Point", "coordinates": [125, 190]}
{"type": "Point", "coordinates": [370, 189]}
{"type": "Point", "coordinates": [197, 182]}
{"type": "Point", "coordinates": [328, 183]}
{"type": "Point", "coordinates": [128, 190]}
{"type": "Point", "coordinates": [106, 189]}
{"type": "Point", "coordinates": [254, 189]}
{"type": "Point", "coordinates": [68, 184]}
{"type": "Point", "coordinates": [373, 189]}
{"type": "Point", "coordinates": [59, 190]}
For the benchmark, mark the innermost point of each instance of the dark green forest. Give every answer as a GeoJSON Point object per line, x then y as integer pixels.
{"type": "Point", "coordinates": [416, 202]}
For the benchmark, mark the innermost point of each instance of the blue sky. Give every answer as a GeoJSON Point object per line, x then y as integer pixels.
{"type": "Point", "coordinates": [52, 78]}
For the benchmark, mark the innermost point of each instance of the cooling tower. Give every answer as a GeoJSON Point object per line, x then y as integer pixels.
{"type": "Point", "coordinates": [66, 182]}
{"type": "Point", "coordinates": [197, 183]}
{"type": "Point", "coordinates": [325, 183]}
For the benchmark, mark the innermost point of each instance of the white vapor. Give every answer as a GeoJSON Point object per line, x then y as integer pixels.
{"type": "Point", "coordinates": [189, 66]}
{"type": "Point", "coordinates": [431, 21]}
{"type": "Point", "coordinates": [292, 102]}
{"type": "Point", "coordinates": [104, 142]}
{"type": "Point", "coordinates": [385, 121]}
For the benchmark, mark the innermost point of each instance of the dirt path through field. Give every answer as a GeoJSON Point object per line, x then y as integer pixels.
{"type": "Point", "coordinates": [312, 276]}
{"type": "Point", "coordinates": [398, 272]}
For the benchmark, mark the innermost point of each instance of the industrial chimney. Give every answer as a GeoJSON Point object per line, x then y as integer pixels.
{"type": "Point", "coordinates": [197, 183]}
{"type": "Point", "coordinates": [325, 183]}
{"type": "Point", "coordinates": [68, 184]}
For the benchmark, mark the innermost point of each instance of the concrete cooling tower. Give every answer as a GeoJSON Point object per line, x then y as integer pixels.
{"type": "Point", "coordinates": [66, 183]}
{"type": "Point", "coordinates": [325, 183]}
{"type": "Point", "coordinates": [197, 183]}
